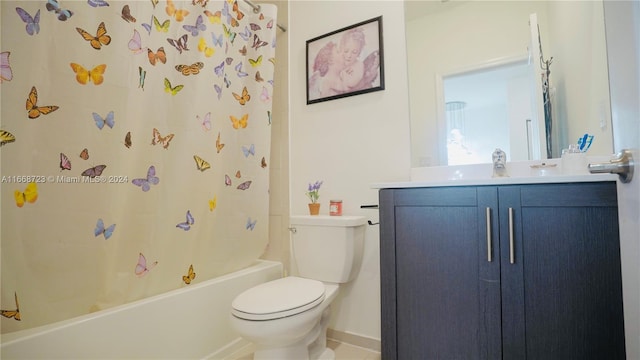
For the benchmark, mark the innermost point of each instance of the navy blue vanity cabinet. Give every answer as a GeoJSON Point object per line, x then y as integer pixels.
{"type": "Point", "coordinates": [501, 272]}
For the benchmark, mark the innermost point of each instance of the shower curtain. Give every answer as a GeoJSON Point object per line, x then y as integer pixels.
{"type": "Point", "coordinates": [135, 146]}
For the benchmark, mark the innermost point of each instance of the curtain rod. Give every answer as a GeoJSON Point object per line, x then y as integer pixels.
{"type": "Point", "coordinates": [256, 9]}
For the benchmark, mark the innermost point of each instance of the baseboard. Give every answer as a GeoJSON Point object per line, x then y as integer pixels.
{"type": "Point", "coordinates": [354, 339]}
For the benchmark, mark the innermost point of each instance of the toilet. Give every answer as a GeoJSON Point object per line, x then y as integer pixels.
{"type": "Point", "coordinates": [287, 318]}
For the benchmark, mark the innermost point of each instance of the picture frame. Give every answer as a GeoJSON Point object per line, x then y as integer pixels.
{"type": "Point", "coordinates": [345, 62]}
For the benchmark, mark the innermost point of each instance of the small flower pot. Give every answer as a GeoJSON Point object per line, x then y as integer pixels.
{"type": "Point", "coordinates": [314, 209]}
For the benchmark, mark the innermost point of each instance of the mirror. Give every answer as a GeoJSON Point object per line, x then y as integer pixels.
{"type": "Point", "coordinates": [448, 40]}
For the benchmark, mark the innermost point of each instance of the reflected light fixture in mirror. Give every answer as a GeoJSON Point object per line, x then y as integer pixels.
{"type": "Point", "coordinates": [457, 150]}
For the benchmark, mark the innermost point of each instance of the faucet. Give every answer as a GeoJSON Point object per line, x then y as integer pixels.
{"type": "Point", "coordinates": [499, 163]}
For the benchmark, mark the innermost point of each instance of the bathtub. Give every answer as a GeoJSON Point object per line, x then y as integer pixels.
{"type": "Point", "coordinates": [188, 323]}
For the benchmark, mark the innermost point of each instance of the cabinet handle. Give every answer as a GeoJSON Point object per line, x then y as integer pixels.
{"type": "Point", "coordinates": [511, 250]}
{"type": "Point", "coordinates": [488, 213]}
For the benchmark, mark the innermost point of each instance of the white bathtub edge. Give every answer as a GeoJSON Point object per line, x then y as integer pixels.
{"type": "Point", "coordinates": [165, 325]}
{"type": "Point", "coordinates": [229, 351]}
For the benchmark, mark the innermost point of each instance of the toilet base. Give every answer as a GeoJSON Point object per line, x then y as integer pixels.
{"type": "Point", "coordinates": [313, 347]}
{"type": "Point", "coordinates": [293, 353]}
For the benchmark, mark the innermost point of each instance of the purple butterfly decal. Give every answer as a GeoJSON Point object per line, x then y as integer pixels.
{"type": "Point", "coordinates": [219, 70]}
{"type": "Point", "coordinates": [246, 34]}
{"type": "Point", "coordinates": [226, 13]}
{"type": "Point", "coordinates": [33, 23]}
{"type": "Point", "coordinates": [227, 180]}
{"type": "Point", "coordinates": [239, 70]}
{"type": "Point", "coordinates": [6, 74]}
{"type": "Point", "coordinates": [187, 224]}
{"type": "Point", "coordinates": [145, 184]}
{"type": "Point", "coordinates": [251, 224]}
{"type": "Point", "coordinates": [195, 29]}
{"type": "Point", "coordinates": [148, 26]}
{"type": "Point", "coordinates": [94, 171]}
{"type": "Point", "coordinates": [245, 185]}
{"type": "Point", "coordinates": [218, 90]}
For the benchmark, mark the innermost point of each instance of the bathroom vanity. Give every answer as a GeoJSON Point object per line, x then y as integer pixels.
{"type": "Point", "coordinates": [513, 268]}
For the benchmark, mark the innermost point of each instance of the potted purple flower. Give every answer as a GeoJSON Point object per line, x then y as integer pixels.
{"type": "Point", "coordinates": [313, 195]}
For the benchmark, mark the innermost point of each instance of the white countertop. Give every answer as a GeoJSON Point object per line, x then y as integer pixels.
{"type": "Point", "coordinates": [525, 172]}
{"type": "Point", "coordinates": [499, 181]}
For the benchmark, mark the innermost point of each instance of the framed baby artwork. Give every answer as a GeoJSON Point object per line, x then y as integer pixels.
{"type": "Point", "coordinates": [345, 62]}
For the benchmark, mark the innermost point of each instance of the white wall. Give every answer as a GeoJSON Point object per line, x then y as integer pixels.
{"type": "Point", "coordinates": [351, 142]}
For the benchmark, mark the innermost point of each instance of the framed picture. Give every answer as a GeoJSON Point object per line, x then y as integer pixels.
{"type": "Point", "coordinates": [345, 62]}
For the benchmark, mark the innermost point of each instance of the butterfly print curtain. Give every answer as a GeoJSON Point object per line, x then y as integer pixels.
{"type": "Point", "coordinates": [134, 151]}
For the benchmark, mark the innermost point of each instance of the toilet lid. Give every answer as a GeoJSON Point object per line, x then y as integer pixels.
{"type": "Point", "coordinates": [279, 298]}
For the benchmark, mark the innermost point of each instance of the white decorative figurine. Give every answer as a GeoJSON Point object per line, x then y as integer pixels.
{"type": "Point", "coordinates": [499, 163]}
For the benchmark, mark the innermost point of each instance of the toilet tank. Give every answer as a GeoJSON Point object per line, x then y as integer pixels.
{"type": "Point", "coordinates": [328, 248]}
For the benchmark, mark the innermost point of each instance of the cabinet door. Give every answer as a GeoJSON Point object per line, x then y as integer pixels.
{"type": "Point", "coordinates": [563, 294]}
{"type": "Point", "coordinates": [444, 300]}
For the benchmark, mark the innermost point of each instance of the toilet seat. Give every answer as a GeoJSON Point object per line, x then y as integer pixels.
{"type": "Point", "coordinates": [278, 299]}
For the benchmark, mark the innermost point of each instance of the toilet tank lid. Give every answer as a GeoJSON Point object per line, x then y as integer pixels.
{"type": "Point", "coordinates": [327, 220]}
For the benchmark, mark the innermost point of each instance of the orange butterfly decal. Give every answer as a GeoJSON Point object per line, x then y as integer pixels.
{"type": "Point", "coordinates": [15, 314]}
{"type": "Point", "coordinates": [100, 39]}
{"type": "Point", "coordinates": [263, 163]}
{"type": "Point", "coordinates": [190, 275]}
{"type": "Point", "coordinates": [84, 155]}
{"type": "Point", "coordinates": [33, 110]}
{"type": "Point", "coordinates": [239, 123]}
{"type": "Point", "coordinates": [179, 14]}
{"type": "Point", "coordinates": [192, 69]}
{"type": "Point", "coordinates": [237, 10]}
{"type": "Point", "coordinates": [159, 139]}
{"type": "Point", "coordinates": [160, 56]}
{"type": "Point", "coordinates": [83, 75]}
{"type": "Point", "coordinates": [219, 145]}
{"type": "Point", "coordinates": [242, 99]}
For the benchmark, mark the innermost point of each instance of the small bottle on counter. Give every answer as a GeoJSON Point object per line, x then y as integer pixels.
{"type": "Point", "coordinates": [335, 207]}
